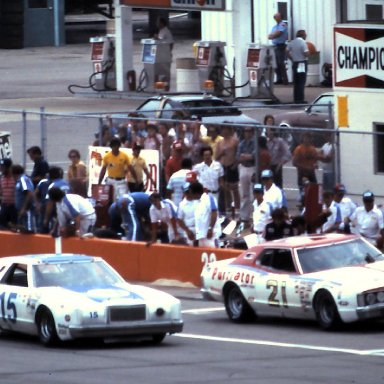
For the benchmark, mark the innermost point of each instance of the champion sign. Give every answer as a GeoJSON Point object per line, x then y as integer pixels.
{"type": "Point", "coordinates": [359, 57]}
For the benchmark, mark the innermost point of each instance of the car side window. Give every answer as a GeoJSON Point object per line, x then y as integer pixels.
{"type": "Point", "coordinates": [16, 275]}
{"type": "Point", "coordinates": [150, 108]}
{"type": "Point", "coordinates": [279, 259]}
{"type": "Point", "coordinates": [321, 105]}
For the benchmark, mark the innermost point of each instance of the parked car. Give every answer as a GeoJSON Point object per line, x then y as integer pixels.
{"type": "Point", "coordinates": [332, 278]}
{"type": "Point", "coordinates": [63, 297]}
{"type": "Point", "coordinates": [316, 115]}
{"type": "Point", "coordinates": [210, 109]}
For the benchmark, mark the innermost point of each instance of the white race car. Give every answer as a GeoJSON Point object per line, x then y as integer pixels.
{"type": "Point", "coordinates": [332, 278]}
{"type": "Point", "coordinates": [63, 297]}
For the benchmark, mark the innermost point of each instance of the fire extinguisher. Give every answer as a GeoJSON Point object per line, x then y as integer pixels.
{"type": "Point", "coordinates": [131, 78]}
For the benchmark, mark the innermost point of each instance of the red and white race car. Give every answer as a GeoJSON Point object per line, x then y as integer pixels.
{"type": "Point", "coordinates": [332, 278]}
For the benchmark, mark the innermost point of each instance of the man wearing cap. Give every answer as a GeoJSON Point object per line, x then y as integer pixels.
{"type": "Point", "coordinates": [210, 172]}
{"type": "Point", "coordinates": [368, 222]}
{"type": "Point", "coordinates": [140, 166]}
{"type": "Point", "coordinates": [262, 212]}
{"type": "Point", "coordinates": [272, 193]}
{"type": "Point", "coordinates": [116, 164]}
{"type": "Point", "coordinates": [173, 164]}
{"type": "Point", "coordinates": [8, 212]}
{"type": "Point", "coordinates": [347, 206]}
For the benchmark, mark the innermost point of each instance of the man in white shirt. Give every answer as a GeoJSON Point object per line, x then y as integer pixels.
{"type": "Point", "coordinates": [331, 213]}
{"type": "Point", "coordinates": [210, 172]}
{"type": "Point", "coordinates": [262, 212]}
{"type": "Point", "coordinates": [368, 222]}
{"type": "Point", "coordinates": [73, 208]}
{"type": "Point", "coordinates": [163, 220]}
{"type": "Point", "coordinates": [177, 181]}
{"type": "Point", "coordinates": [164, 34]}
{"type": "Point", "coordinates": [208, 228]}
{"type": "Point", "coordinates": [347, 206]}
{"type": "Point", "coordinates": [186, 216]}
{"type": "Point", "coordinates": [272, 193]}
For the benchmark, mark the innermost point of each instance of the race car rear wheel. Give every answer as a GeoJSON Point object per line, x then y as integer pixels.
{"type": "Point", "coordinates": [238, 310]}
{"type": "Point", "coordinates": [47, 329]}
{"type": "Point", "coordinates": [326, 311]}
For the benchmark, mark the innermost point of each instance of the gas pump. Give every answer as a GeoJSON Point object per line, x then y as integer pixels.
{"type": "Point", "coordinates": [211, 62]}
{"type": "Point", "coordinates": [261, 63]}
{"type": "Point", "coordinates": [157, 59]}
{"type": "Point", "coordinates": [103, 59]}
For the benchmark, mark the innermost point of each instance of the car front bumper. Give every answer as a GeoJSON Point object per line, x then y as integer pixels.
{"type": "Point", "coordinates": [109, 330]}
{"type": "Point", "coordinates": [370, 312]}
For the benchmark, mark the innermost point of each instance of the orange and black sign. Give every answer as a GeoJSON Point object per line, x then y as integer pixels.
{"type": "Point", "coordinates": [196, 5]}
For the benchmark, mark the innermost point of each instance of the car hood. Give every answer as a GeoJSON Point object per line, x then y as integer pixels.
{"type": "Point", "coordinates": [362, 277]}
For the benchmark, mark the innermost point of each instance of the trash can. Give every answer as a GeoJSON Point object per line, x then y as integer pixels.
{"type": "Point", "coordinates": [187, 75]}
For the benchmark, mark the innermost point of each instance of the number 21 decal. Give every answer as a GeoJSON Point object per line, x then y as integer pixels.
{"type": "Point", "coordinates": [8, 307]}
{"type": "Point", "coordinates": [274, 286]}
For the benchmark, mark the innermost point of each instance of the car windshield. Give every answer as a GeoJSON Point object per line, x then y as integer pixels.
{"type": "Point", "coordinates": [95, 274]}
{"type": "Point", "coordinates": [207, 107]}
{"type": "Point", "coordinates": [338, 255]}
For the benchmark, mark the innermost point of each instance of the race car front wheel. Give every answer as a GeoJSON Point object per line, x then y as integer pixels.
{"type": "Point", "coordinates": [47, 328]}
{"type": "Point", "coordinates": [238, 310]}
{"type": "Point", "coordinates": [326, 311]}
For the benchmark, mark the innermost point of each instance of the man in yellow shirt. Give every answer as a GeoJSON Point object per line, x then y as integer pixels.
{"type": "Point", "coordinates": [140, 166]}
{"type": "Point", "coordinates": [116, 164]}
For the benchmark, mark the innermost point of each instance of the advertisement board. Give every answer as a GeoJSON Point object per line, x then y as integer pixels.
{"type": "Point", "coordinates": [359, 56]}
{"type": "Point", "coordinates": [5, 145]}
{"type": "Point", "coordinates": [193, 5]}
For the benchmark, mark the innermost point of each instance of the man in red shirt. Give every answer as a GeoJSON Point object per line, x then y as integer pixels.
{"type": "Point", "coordinates": [173, 164]}
{"type": "Point", "coordinates": [8, 211]}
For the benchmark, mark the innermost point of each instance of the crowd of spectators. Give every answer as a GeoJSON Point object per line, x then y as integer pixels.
{"type": "Point", "coordinates": [209, 176]}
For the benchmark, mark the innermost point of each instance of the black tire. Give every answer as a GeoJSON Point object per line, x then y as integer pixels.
{"type": "Point", "coordinates": [157, 338]}
{"type": "Point", "coordinates": [47, 328]}
{"type": "Point", "coordinates": [238, 310]}
{"type": "Point", "coordinates": [326, 311]}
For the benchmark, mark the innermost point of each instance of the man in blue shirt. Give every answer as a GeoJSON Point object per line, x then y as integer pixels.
{"type": "Point", "coordinates": [279, 37]}
{"type": "Point", "coordinates": [24, 200]}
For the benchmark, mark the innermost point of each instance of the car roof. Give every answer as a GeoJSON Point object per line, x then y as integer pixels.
{"type": "Point", "coordinates": [181, 98]}
{"type": "Point", "coordinates": [307, 241]}
{"type": "Point", "coordinates": [48, 258]}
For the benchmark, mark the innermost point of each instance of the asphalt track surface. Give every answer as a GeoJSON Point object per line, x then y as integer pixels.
{"type": "Point", "coordinates": [210, 350]}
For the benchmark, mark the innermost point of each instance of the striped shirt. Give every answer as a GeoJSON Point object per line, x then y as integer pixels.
{"type": "Point", "coordinates": [7, 189]}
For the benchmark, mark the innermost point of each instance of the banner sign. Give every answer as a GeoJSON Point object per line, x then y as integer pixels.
{"type": "Point", "coordinates": [151, 157]}
{"type": "Point", "coordinates": [359, 57]}
{"type": "Point", "coordinates": [5, 145]}
{"type": "Point", "coordinates": [193, 5]}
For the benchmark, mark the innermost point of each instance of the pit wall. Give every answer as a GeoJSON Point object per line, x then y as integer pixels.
{"type": "Point", "coordinates": [133, 260]}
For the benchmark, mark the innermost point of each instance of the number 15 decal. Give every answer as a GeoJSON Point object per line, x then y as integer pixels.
{"type": "Point", "coordinates": [8, 307]}
{"type": "Point", "coordinates": [274, 286]}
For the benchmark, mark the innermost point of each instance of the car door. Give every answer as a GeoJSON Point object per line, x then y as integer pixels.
{"type": "Point", "coordinates": [271, 287]}
{"type": "Point", "coordinates": [15, 310]}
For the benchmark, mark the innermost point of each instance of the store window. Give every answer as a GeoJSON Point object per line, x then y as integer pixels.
{"type": "Point", "coordinates": [379, 147]}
